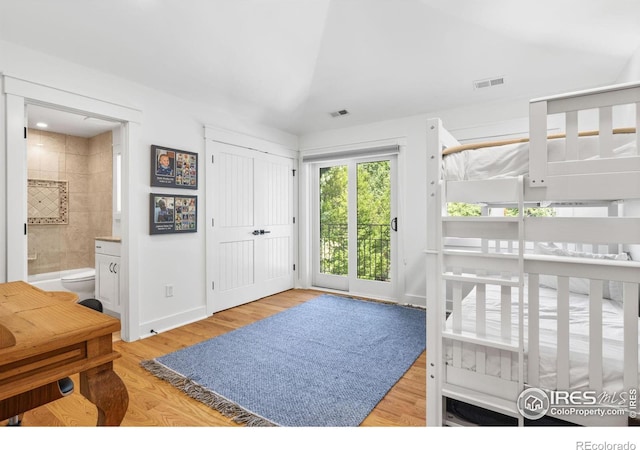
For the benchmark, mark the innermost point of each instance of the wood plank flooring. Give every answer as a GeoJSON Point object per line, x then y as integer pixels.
{"type": "Point", "coordinates": [155, 403]}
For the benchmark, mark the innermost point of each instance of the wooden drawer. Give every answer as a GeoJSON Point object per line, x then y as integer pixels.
{"type": "Point", "coordinates": [107, 248]}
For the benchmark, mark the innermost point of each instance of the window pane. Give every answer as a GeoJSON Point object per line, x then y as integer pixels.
{"type": "Point", "coordinates": [334, 235]}
{"type": "Point", "coordinates": [374, 220]}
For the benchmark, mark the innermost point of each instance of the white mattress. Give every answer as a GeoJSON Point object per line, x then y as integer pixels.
{"type": "Point", "coordinates": [612, 317]}
{"type": "Point", "coordinates": [513, 159]}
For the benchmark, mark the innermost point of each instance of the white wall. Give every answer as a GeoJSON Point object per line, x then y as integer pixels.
{"type": "Point", "coordinates": [167, 121]}
{"type": "Point", "coordinates": [631, 72]}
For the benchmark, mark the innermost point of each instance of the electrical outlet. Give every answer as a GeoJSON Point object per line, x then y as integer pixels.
{"type": "Point", "coordinates": [168, 290]}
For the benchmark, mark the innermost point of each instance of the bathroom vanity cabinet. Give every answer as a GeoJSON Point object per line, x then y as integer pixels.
{"type": "Point", "coordinates": [108, 273]}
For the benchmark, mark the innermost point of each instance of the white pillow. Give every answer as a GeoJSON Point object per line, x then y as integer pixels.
{"type": "Point", "coordinates": [611, 290]}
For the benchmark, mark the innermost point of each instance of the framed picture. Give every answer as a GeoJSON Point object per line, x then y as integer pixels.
{"type": "Point", "coordinates": [173, 168]}
{"type": "Point", "coordinates": [173, 214]}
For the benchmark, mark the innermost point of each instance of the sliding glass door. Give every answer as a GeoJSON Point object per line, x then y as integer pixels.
{"type": "Point", "coordinates": [355, 223]}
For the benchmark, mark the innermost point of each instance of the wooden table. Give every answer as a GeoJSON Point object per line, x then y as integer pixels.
{"type": "Point", "coordinates": [45, 337]}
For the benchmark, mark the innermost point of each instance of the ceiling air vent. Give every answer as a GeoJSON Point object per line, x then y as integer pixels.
{"type": "Point", "coordinates": [342, 112]}
{"type": "Point", "coordinates": [491, 82]}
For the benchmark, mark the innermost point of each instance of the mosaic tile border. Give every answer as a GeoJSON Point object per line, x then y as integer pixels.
{"type": "Point", "coordinates": [63, 201]}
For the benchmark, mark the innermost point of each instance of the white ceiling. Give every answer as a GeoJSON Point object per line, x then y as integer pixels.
{"type": "Point", "coordinates": [290, 63]}
{"type": "Point", "coordinates": [66, 122]}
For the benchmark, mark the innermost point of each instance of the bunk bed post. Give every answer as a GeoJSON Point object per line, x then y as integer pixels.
{"type": "Point", "coordinates": [521, 272]}
{"type": "Point", "coordinates": [435, 406]}
{"type": "Point", "coordinates": [538, 143]}
{"type": "Point", "coordinates": [630, 306]}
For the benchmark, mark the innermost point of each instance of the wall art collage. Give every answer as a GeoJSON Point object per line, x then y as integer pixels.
{"type": "Point", "coordinates": [173, 213]}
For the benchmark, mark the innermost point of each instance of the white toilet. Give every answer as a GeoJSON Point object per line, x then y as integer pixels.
{"type": "Point", "coordinates": [83, 283]}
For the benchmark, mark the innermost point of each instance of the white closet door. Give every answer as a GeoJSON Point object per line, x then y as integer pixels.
{"type": "Point", "coordinates": [250, 255]}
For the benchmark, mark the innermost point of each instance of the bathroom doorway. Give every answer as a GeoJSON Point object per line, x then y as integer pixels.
{"type": "Point", "coordinates": [19, 95]}
{"type": "Point", "coordinates": [73, 175]}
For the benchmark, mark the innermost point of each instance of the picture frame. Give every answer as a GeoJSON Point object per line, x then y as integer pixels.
{"type": "Point", "coordinates": [173, 168]}
{"type": "Point", "coordinates": [171, 213]}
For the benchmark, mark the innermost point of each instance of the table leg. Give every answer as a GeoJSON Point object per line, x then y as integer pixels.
{"type": "Point", "coordinates": [104, 388]}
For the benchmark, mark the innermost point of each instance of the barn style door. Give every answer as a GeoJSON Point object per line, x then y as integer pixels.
{"type": "Point", "coordinates": [250, 253]}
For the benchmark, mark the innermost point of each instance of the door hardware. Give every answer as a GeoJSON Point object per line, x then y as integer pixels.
{"type": "Point", "coordinates": [257, 232]}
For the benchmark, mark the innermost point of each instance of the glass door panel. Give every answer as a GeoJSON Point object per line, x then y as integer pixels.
{"type": "Point", "coordinates": [374, 221]}
{"type": "Point", "coordinates": [334, 236]}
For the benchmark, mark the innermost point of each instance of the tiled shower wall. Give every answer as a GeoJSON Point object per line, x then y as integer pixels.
{"type": "Point", "coordinates": [86, 163]}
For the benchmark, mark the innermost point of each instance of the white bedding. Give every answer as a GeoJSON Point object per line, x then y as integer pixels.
{"type": "Point", "coordinates": [612, 317]}
{"type": "Point", "coordinates": [513, 159]}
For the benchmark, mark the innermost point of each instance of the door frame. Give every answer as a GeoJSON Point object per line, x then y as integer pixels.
{"type": "Point", "coordinates": [18, 94]}
{"type": "Point", "coordinates": [212, 135]}
{"type": "Point", "coordinates": [351, 283]}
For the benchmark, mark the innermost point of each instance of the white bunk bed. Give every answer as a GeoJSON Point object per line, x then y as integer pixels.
{"type": "Point", "coordinates": [505, 313]}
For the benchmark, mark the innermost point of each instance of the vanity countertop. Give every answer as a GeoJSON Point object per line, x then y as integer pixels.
{"type": "Point", "coordinates": [109, 238]}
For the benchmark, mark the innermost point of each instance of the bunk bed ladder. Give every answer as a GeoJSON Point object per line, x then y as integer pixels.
{"type": "Point", "coordinates": [503, 266]}
{"type": "Point", "coordinates": [459, 268]}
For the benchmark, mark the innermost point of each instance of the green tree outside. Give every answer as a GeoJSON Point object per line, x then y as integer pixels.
{"type": "Point", "coordinates": [470, 209]}
{"type": "Point", "coordinates": [374, 215]}
{"type": "Point", "coordinates": [334, 242]}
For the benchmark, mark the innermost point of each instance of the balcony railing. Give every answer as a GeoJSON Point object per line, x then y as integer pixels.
{"type": "Point", "coordinates": [373, 245]}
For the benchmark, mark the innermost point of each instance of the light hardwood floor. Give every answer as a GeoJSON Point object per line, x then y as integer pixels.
{"type": "Point", "coordinates": [153, 402]}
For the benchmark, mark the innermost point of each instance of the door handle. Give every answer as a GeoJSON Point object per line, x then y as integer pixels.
{"type": "Point", "coordinates": [394, 224]}
{"type": "Point", "coordinates": [257, 232]}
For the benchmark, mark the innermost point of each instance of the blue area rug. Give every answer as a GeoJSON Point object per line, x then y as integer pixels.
{"type": "Point", "coordinates": [326, 362]}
